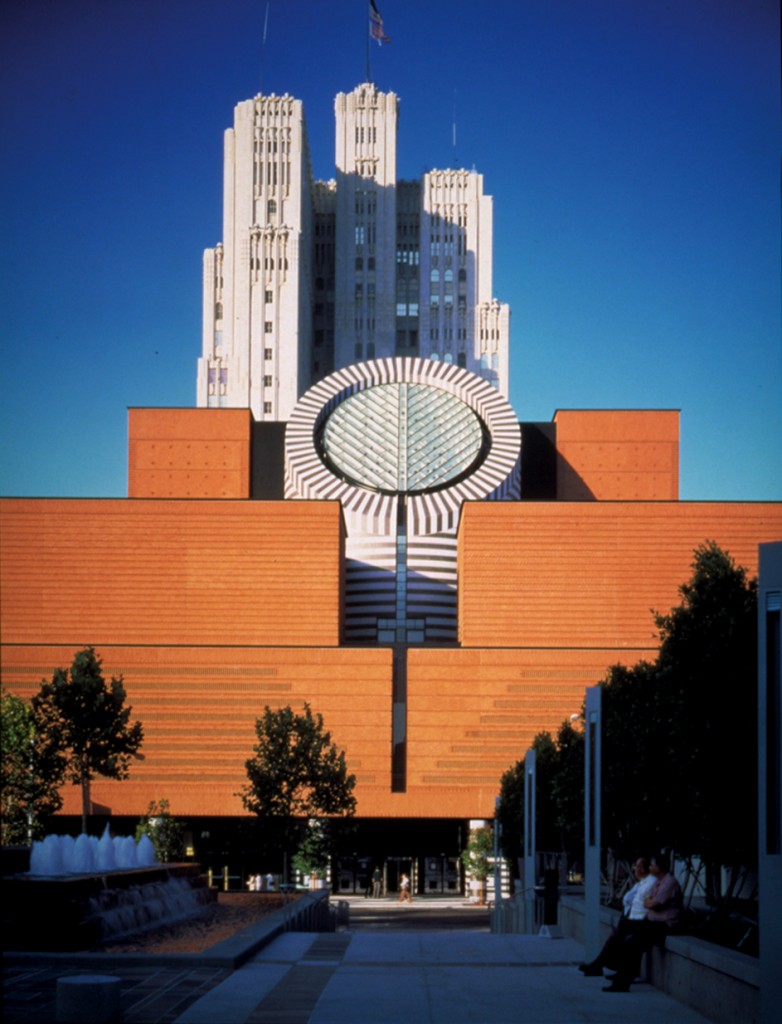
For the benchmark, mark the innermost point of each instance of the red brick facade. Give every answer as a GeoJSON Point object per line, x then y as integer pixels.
{"type": "Point", "coordinates": [213, 608]}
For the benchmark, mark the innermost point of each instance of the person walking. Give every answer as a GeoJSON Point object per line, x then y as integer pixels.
{"type": "Point", "coordinates": [404, 890]}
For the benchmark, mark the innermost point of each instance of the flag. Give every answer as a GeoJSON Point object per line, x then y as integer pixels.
{"type": "Point", "coordinates": [376, 25]}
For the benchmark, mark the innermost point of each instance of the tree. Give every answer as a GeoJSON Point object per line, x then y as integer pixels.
{"type": "Point", "coordinates": [680, 734]}
{"type": "Point", "coordinates": [475, 857]}
{"type": "Point", "coordinates": [707, 678]}
{"type": "Point", "coordinates": [165, 832]}
{"type": "Point", "coordinates": [314, 852]}
{"type": "Point", "coordinates": [32, 773]}
{"type": "Point", "coordinates": [635, 754]}
{"type": "Point", "coordinates": [296, 774]}
{"type": "Point", "coordinates": [559, 819]}
{"type": "Point", "coordinates": [88, 719]}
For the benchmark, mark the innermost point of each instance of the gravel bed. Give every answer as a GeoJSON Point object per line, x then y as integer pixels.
{"type": "Point", "coordinates": [232, 912]}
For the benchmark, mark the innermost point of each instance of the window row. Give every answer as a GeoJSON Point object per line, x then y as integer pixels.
{"type": "Point", "coordinates": [366, 134]}
{"type": "Point", "coordinates": [407, 309]}
{"type": "Point", "coordinates": [268, 263]}
{"type": "Point", "coordinates": [359, 350]}
{"type": "Point", "coordinates": [408, 254]}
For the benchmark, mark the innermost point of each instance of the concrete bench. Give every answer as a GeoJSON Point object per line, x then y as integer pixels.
{"type": "Point", "coordinates": [722, 984]}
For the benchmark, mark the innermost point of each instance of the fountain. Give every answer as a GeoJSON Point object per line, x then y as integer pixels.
{"type": "Point", "coordinates": [54, 855]}
{"type": "Point", "coordinates": [81, 892]}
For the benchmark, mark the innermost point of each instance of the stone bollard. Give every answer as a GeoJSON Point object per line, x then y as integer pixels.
{"type": "Point", "coordinates": [88, 999]}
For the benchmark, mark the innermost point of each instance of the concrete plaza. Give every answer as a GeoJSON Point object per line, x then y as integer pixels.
{"type": "Point", "coordinates": [434, 962]}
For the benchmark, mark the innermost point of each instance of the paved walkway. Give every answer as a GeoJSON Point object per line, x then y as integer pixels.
{"type": "Point", "coordinates": [432, 963]}
{"type": "Point", "coordinates": [425, 978]}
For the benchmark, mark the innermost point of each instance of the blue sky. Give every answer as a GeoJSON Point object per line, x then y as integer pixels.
{"type": "Point", "coordinates": [632, 148]}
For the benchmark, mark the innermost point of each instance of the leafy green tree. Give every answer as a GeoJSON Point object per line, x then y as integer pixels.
{"type": "Point", "coordinates": [566, 793]}
{"type": "Point", "coordinates": [510, 814]}
{"type": "Point", "coordinates": [314, 853]}
{"type": "Point", "coordinates": [165, 832]}
{"type": "Point", "coordinates": [296, 774]}
{"type": "Point", "coordinates": [707, 680]}
{"type": "Point", "coordinates": [33, 769]}
{"type": "Point", "coordinates": [559, 819]}
{"type": "Point", "coordinates": [475, 856]}
{"type": "Point", "coordinates": [680, 734]}
{"type": "Point", "coordinates": [89, 719]}
{"type": "Point", "coordinates": [635, 780]}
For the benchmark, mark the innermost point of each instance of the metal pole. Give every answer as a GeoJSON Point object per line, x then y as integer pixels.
{"type": "Point", "coordinates": [530, 853]}
{"type": "Point", "coordinates": [592, 942]}
{"type": "Point", "coordinates": [497, 876]}
{"type": "Point", "coordinates": [770, 776]}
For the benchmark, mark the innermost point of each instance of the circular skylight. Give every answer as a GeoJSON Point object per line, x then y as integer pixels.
{"type": "Point", "coordinates": [402, 438]}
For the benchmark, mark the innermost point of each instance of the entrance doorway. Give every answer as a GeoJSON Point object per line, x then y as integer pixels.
{"type": "Point", "coordinates": [395, 867]}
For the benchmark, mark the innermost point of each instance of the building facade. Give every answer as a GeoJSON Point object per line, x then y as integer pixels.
{"type": "Point", "coordinates": [314, 276]}
{"type": "Point", "coordinates": [354, 517]}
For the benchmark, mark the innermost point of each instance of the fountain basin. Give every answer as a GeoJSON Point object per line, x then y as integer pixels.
{"type": "Point", "coordinates": [77, 912]}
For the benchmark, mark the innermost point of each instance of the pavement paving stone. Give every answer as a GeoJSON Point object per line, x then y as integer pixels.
{"type": "Point", "coordinates": [365, 974]}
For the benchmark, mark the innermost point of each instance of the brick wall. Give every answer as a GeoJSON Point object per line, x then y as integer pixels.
{"type": "Point", "coordinates": [617, 455]}
{"type": "Point", "coordinates": [170, 572]}
{"type": "Point", "coordinates": [584, 574]}
{"type": "Point", "coordinates": [198, 706]}
{"type": "Point", "coordinates": [189, 453]}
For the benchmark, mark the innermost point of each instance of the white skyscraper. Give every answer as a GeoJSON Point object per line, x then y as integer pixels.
{"type": "Point", "coordinates": [312, 277]}
{"type": "Point", "coordinates": [257, 311]}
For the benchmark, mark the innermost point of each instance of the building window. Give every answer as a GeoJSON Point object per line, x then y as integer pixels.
{"type": "Point", "coordinates": [218, 311]}
{"type": "Point", "coordinates": [267, 327]}
{"type": "Point", "coordinates": [461, 360]}
{"type": "Point", "coordinates": [359, 350]}
{"type": "Point", "coordinates": [267, 407]}
{"type": "Point", "coordinates": [269, 296]}
{"type": "Point", "coordinates": [271, 208]}
{"type": "Point", "coordinates": [267, 353]}
{"type": "Point", "coordinates": [267, 381]}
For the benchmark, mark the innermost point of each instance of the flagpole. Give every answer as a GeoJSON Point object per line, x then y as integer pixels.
{"type": "Point", "coordinates": [369, 67]}
{"type": "Point", "coordinates": [263, 43]}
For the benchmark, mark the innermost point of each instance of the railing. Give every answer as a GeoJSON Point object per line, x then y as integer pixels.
{"type": "Point", "coordinates": [224, 876]}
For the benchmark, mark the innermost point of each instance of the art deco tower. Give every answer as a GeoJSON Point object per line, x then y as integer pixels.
{"type": "Point", "coordinates": [257, 311]}
{"type": "Point", "coordinates": [312, 277]}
